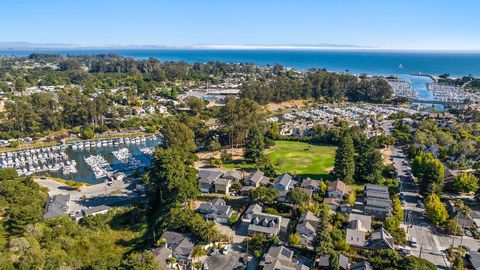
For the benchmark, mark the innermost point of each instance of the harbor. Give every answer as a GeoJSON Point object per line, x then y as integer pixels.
{"type": "Point", "coordinates": [90, 162]}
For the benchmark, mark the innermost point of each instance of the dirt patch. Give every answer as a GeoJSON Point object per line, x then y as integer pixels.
{"type": "Point", "coordinates": [386, 154]}
{"type": "Point", "coordinates": [292, 104]}
{"type": "Point", "coordinates": [204, 157]}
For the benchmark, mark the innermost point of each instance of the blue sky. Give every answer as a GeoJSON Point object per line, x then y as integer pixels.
{"type": "Point", "coordinates": [394, 24]}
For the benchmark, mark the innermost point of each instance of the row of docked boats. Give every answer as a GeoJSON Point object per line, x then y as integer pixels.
{"type": "Point", "coordinates": [112, 142]}
{"type": "Point", "coordinates": [129, 162]}
{"type": "Point", "coordinates": [99, 166]}
{"type": "Point", "coordinates": [55, 159]}
{"type": "Point", "coordinates": [38, 160]}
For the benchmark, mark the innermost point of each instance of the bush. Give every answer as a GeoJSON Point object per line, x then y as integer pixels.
{"type": "Point", "coordinates": [225, 156]}
{"type": "Point", "coordinates": [87, 133]}
{"type": "Point", "coordinates": [14, 144]}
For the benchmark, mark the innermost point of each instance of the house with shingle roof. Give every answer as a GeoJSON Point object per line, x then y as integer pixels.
{"type": "Point", "coordinates": [307, 227]}
{"type": "Point", "coordinates": [216, 210]}
{"type": "Point", "coordinates": [256, 179]}
{"type": "Point", "coordinates": [180, 245]}
{"type": "Point", "coordinates": [381, 239]}
{"type": "Point", "coordinates": [337, 189]}
{"type": "Point", "coordinates": [57, 206]}
{"type": "Point", "coordinates": [280, 258]}
{"type": "Point", "coordinates": [311, 184]}
{"type": "Point", "coordinates": [207, 179]}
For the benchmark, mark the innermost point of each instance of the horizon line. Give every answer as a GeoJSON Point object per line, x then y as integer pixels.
{"type": "Point", "coordinates": [30, 46]}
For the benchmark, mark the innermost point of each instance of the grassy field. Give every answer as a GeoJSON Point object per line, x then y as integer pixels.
{"type": "Point", "coordinates": [299, 158]}
{"type": "Point", "coordinates": [303, 159]}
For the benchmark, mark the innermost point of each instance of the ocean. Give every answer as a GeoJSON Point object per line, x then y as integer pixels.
{"type": "Point", "coordinates": [370, 62]}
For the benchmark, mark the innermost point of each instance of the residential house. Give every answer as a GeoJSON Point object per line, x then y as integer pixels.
{"type": "Point", "coordinates": [217, 210]}
{"type": "Point", "coordinates": [161, 254]}
{"type": "Point", "coordinates": [361, 266]}
{"type": "Point", "coordinates": [259, 222]}
{"type": "Point", "coordinates": [311, 184]}
{"type": "Point", "coordinates": [377, 201]}
{"type": "Point", "coordinates": [233, 175]}
{"type": "Point", "coordinates": [474, 259]}
{"type": "Point", "coordinates": [207, 179]}
{"type": "Point", "coordinates": [323, 262]}
{"type": "Point", "coordinates": [57, 206]}
{"type": "Point", "coordinates": [222, 186]}
{"type": "Point", "coordinates": [283, 184]}
{"type": "Point", "coordinates": [256, 179]}
{"type": "Point", "coordinates": [381, 239]}
{"type": "Point", "coordinates": [307, 227]}
{"type": "Point", "coordinates": [357, 229]}
{"type": "Point", "coordinates": [180, 245]}
{"type": "Point", "coordinates": [252, 209]}
{"type": "Point", "coordinates": [280, 258]}
{"type": "Point", "coordinates": [333, 203]}
{"type": "Point", "coordinates": [337, 189]}
{"type": "Point", "coordinates": [96, 210]}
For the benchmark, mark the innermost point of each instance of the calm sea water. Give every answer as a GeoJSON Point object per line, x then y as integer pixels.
{"type": "Point", "coordinates": [85, 174]}
{"type": "Point", "coordinates": [370, 62]}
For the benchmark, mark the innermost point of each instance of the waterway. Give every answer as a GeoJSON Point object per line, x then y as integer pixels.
{"type": "Point", "coordinates": [85, 174]}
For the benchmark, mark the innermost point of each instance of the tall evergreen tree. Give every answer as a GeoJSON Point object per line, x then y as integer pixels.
{"type": "Point", "coordinates": [369, 164]}
{"type": "Point", "coordinates": [172, 177]}
{"type": "Point", "coordinates": [345, 160]}
{"type": "Point", "coordinates": [255, 144]}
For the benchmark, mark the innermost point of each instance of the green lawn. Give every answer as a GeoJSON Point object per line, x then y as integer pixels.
{"type": "Point", "coordinates": [303, 159]}
{"type": "Point", "coordinates": [299, 158]}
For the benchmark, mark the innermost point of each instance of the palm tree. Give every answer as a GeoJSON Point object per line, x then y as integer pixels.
{"type": "Point", "coordinates": [171, 261]}
{"type": "Point", "coordinates": [211, 232]}
{"type": "Point", "coordinates": [465, 211]}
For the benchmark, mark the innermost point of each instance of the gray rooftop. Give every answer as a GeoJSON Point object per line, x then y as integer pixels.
{"type": "Point", "coordinates": [178, 243]}
{"type": "Point", "coordinates": [208, 176]}
{"type": "Point", "coordinates": [57, 206]}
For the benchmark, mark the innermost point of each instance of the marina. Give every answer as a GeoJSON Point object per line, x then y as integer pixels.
{"type": "Point", "coordinates": [86, 161]}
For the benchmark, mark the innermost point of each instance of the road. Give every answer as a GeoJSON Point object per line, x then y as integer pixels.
{"type": "Point", "coordinates": [429, 246]}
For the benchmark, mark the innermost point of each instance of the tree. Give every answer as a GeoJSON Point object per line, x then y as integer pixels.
{"type": "Point", "coordinates": [87, 133]}
{"type": "Point", "coordinates": [369, 164]}
{"type": "Point", "coordinates": [225, 156]}
{"type": "Point", "coordinates": [334, 261]}
{"type": "Point", "coordinates": [14, 144]}
{"type": "Point", "coordinates": [177, 134]}
{"type": "Point", "coordinates": [196, 105]}
{"type": "Point", "coordinates": [273, 131]}
{"type": "Point", "coordinates": [265, 164]}
{"type": "Point", "coordinates": [465, 182]}
{"type": "Point", "coordinates": [435, 209]}
{"type": "Point", "coordinates": [430, 171]}
{"type": "Point", "coordinates": [20, 85]}
{"type": "Point", "coordinates": [255, 144]}
{"type": "Point", "coordinates": [299, 196]}
{"type": "Point", "coordinates": [172, 177]}
{"type": "Point", "coordinates": [323, 242]}
{"type": "Point", "coordinates": [237, 117]}
{"type": "Point", "coordinates": [414, 263]}
{"type": "Point", "coordinates": [8, 174]}
{"type": "Point", "coordinates": [351, 199]}
{"type": "Point", "coordinates": [294, 239]}
{"type": "Point", "coordinates": [344, 160]}
{"type": "Point", "coordinates": [141, 261]}
{"type": "Point", "coordinates": [264, 194]}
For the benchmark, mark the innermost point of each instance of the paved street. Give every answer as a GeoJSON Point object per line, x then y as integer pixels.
{"type": "Point", "coordinates": [415, 224]}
